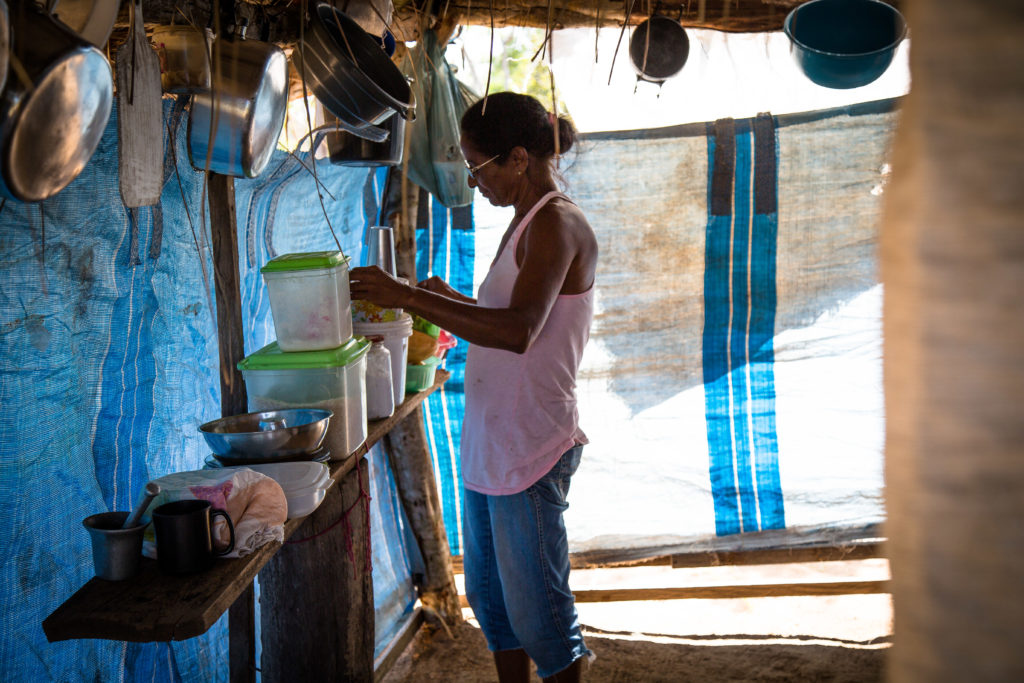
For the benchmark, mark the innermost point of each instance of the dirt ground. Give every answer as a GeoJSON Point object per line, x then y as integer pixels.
{"type": "Point", "coordinates": [834, 638]}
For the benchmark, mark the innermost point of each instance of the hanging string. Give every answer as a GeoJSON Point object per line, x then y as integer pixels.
{"type": "Point", "coordinates": [625, 24]}
{"type": "Point", "coordinates": [344, 519]}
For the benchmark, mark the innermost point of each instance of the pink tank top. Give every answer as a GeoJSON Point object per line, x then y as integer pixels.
{"type": "Point", "coordinates": [521, 408]}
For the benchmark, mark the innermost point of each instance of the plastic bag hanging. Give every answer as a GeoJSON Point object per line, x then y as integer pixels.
{"type": "Point", "coordinates": [435, 159]}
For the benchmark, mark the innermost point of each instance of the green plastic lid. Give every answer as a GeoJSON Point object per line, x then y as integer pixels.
{"type": "Point", "coordinates": [310, 260]}
{"type": "Point", "coordinates": [271, 357]}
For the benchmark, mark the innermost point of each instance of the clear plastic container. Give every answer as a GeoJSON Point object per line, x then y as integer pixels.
{"type": "Point", "coordinates": [309, 300]}
{"type": "Point", "coordinates": [334, 379]}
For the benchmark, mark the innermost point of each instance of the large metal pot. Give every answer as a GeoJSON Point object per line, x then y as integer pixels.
{"type": "Point", "coordinates": [233, 128]}
{"type": "Point", "coordinates": [350, 73]}
{"type": "Point", "coordinates": [52, 120]}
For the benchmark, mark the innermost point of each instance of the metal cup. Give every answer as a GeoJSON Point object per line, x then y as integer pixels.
{"type": "Point", "coordinates": [116, 552]}
{"type": "Point", "coordinates": [380, 248]}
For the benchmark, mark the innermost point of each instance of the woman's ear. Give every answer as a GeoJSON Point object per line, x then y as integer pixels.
{"type": "Point", "coordinates": [520, 159]}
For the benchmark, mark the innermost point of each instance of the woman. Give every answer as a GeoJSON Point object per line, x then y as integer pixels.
{"type": "Point", "coordinates": [521, 441]}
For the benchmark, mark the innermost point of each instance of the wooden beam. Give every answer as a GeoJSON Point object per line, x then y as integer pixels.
{"type": "Point", "coordinates": [861, 551]}
{"type": "Point", "coordinates": [233, 398]}
{"type": "Point", "coordinates": [777, 590]}
{"type": "Point", "coordinates": [412, 467]}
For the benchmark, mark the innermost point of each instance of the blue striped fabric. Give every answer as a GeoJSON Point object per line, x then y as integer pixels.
{"type": "Point", "coordinates": [445, 247]}
{"type": "Point", "coordinates": [739, 322]}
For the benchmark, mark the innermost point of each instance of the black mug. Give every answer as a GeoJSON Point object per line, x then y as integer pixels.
{"type": "Point", "coordinates": [184, 542]}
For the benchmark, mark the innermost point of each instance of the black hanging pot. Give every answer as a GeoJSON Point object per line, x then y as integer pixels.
{"type": "Point", "coordinates": [52, 115]}
{"type": "Point", "coordinates": [348, 148]}
{"type": "Point", "coordinates": [351, 75]}
{"type": "Point", "coordinates": [658, 49]}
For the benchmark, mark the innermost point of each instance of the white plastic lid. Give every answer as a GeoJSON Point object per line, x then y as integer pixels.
{"type": "Point", "coordinates": [295, 476]}
{"type": "Point", "coordinates": [402, 327]}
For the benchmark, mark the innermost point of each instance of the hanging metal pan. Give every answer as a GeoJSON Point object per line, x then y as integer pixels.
{"type": "Point", "coordinates": [53, 114]}
{"type": "Point", "coordinates": [343, 63]}
{"type": "Point", "coordinates": [658, 49]}
{"type": "Point", "coordinates": [247, 103]}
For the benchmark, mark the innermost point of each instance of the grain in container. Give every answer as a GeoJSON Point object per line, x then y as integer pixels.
{"type": "Point", "coordinates": [334, 379]}
{"type": "Point", "coordinates": [309, 300]}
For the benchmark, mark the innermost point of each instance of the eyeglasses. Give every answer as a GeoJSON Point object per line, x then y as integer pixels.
{"type": "Point", "coordinates": [473, 170]}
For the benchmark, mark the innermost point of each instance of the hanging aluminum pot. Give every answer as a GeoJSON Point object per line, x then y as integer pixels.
{"type": "Point", "coordinates": [233, 128]}
{"type": "Point", "coordinates": [53, 113]}
{"type": "Point", "coordinates": [348, 148]}
{"type": "Point", "coordinates": [350, 73]}
{"type": "Point", "coordinates": [93, 20]}
{"type": "Point", "coordinates": [658, 49]}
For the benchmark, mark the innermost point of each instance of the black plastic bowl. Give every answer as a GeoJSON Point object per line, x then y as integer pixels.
{"type": "Point", "coordinates": [844, 43]}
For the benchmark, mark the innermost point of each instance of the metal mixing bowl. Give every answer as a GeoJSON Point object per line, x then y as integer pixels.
{"type": "Point", "coordinates": [268, 434]}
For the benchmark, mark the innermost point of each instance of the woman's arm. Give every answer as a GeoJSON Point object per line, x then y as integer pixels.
{"type": "Point", "coordinates": [550, 245]}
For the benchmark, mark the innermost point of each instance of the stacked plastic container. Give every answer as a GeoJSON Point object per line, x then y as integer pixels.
{"type": "Point", "coordinates": [315, 362]}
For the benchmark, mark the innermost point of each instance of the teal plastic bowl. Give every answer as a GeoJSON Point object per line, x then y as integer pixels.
{"type": "Point", "coordinates": [844, 43]}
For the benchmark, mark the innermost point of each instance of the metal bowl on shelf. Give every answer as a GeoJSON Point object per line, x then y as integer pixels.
{"type": "Point", "coordinates": [268, 435]}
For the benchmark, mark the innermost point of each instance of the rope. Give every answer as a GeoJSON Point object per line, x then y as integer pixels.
{"type": "Point", "coordinates": [344, 517]}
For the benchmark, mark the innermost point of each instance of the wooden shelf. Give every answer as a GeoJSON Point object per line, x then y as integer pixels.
{"type": "Point", "coordinates": [153, 606]}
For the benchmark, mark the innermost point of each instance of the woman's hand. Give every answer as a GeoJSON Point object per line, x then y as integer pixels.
{"type": "Point", "coordinates": [439, 286]}
{"type": "Point", "coordinates": [370, 283]}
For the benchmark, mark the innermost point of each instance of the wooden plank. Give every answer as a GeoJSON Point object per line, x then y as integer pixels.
{"type": "Point", "coordinates": [778, 590]}
{"type": "Point", "coordinates": [733, 592]}
{"type": "Point", "coordinates": [316, 593]}
{"type": "Point", "coordinates": [773, 539]}
{"type": "Point", "coordinates": [860, 551]}
{"type": "Point", "coordinates": [153, 606]}
{"type": "Point", "coordinates": [385, 661]}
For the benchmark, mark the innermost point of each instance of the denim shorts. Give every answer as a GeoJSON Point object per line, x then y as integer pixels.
{"type": "Point", "coordinates": [516, 562]}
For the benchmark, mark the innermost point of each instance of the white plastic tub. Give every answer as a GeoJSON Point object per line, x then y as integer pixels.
{"type": "Point", "coordinates": [309, 300]}
{"type": "Point", "coordinates": [396, 339]}
{"type": "Point", "coordinates": [334, 379]}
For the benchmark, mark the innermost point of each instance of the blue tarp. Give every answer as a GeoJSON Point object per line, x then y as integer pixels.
{"type": "Point", "coordinates": [109, 363]}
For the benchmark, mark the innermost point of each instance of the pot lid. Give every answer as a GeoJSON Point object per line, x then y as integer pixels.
{"type": "Point", "coordinates": [271, 357]}
{"type": "Point", "coordinates": [305, 261]}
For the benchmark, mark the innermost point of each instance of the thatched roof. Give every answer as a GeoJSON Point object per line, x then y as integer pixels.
{"type": "Point", "coordinates": [278, 20]}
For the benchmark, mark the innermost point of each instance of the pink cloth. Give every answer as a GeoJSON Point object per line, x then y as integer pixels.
{"type": "Point", "coordinates": [521, 408]}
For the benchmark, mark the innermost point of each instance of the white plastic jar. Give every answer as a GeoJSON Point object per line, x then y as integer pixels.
{"type": "Point", "coordinates": [380, 394]}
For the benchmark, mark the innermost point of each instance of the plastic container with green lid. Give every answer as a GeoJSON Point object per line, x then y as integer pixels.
{"type": "Point", "coordinates": [334, 379]}
{"type": "Point", "coordinates": [309, 300]}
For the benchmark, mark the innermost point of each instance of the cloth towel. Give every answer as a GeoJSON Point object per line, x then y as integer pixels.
{"type": "Point", "coordinates": [255, 503]}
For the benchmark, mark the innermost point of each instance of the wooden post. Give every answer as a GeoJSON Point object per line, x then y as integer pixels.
{"type": "Point", "coordinates": [409, 456]}
{"type": "Point", "coordinates": [952, 253]}
{"type": "Point", "coordinates": [316, 594]}
{"type": "Point", "coordinates": [233, 399]}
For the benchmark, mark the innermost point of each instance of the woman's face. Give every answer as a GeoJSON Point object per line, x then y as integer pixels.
{"type": "Point", "coordinates": [487, 175]}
